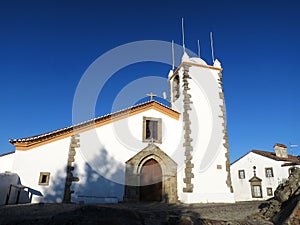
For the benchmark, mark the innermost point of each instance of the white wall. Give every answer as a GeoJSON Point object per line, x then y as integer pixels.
{"type": "Point", "coordinates": [100, 160]}
{"type": "Point", "coordinates": [6, 162]}
{"type": "Point", "coordinates": [51, 157]}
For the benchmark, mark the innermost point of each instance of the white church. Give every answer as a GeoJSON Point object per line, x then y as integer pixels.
{"type": "Point", "coordinates": [176, 153]}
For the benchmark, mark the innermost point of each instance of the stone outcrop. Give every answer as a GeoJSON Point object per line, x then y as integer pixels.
{"type": "Point", "coordinates": [284, 208]}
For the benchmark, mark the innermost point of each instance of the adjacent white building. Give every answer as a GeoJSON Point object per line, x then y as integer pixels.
{"type": "Point", "coordinates": [148, 152]}
{"type": "Point", "coordinates": [256, 175]}
{"type": "Point", "coordinates": [6, 162]}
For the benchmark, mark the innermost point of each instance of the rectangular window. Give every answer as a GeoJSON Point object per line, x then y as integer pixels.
{"type": "Point", "coordinates": [241, 174]}
{"type": "Point", "coordinates": [269, 172]}
{"type": "Point", "coordinates": [152, 129]}
{"type": "Point", "coordinates": [44, 178]}
{"type": "Point", "coordinates": [256, 191]}
{"type": "Point", "coordinates": [269, 192]}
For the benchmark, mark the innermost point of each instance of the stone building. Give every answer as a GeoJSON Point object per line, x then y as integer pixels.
{"type": "Point", "coordinates": [256, 175]}
{"type": "Point", "coordinates": [171, 153]}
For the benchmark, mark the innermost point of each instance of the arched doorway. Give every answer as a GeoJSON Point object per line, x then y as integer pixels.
{"type": "Point", "coordinates": [163, 170]}
{"type": "Point", "coordinates": [151, 181]}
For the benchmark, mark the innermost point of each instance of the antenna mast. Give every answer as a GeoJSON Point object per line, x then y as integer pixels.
{"type": "Point", "coordinates": [173, 57]}
{"type": "Point", "coordinates": [182, 27]}
{"type": "Point", "coordinates": [212, 47]}
{"type": "Point", "coordinates": [293, 146]}
{"type": "Point", "coordinates": [199, 48]}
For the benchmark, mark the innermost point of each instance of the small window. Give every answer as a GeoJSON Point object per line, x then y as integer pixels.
{"type": "Point", "coordinates": [44, 178]}
{"type": "Point", "coordinates": [176, 85]}
{"type": "Point", "coordinates": [269, 172]}
{"type": "Point", "coordinates": [256, 191]}
{"type": "Point", "coordinates": [241, 174]}
{"type": "Point", "coordinates": [269, 192]}
{"type": "Point", "coordinates": [152, 130]}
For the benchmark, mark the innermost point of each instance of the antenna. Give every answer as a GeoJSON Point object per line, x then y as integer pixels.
{"type": "Point", "coordinates": [212, 47]}
{"type": "Point", "coordinates": [199, 48]}
{"type": "Point", "coordinates": [293, 146]}
{"type": "Point", "coordinates": [182, 28]}
{"type": "Point", "coordinates": [173, 57]}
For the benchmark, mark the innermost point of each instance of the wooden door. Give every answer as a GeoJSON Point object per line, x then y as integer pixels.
{"type": "Point", "coordinates": [151, 181]}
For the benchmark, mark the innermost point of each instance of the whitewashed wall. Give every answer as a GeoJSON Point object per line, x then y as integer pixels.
{"type": "Point", "coordinates": [51, 157]}
{"type": "Point", "coordinates": [100, 161]}
{"type": "Point", "coordinates": [242, 188]}
{"type": "Point", "coordinates": [6, 162]}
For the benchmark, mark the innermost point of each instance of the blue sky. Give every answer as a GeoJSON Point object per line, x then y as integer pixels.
{"type": "Point", "coordinates": [46, 46]}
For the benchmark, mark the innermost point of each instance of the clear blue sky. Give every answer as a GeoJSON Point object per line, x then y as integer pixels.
{"type": "Point", "coordinates": [46, 46]}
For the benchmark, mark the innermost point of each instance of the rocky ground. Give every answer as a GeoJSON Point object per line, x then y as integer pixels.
{"type": "Point", "coordinates": [133, 214]}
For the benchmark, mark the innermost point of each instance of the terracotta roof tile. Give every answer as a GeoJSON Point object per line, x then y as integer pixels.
{"type": "Point", "coordinates": [272, 155]}
{"type": "Point", "coordinates": [290, 164]}
{"type": "Point", "coordinates": [69, 129]}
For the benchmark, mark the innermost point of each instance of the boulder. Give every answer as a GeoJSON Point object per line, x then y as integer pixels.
{"type": "Point", "coordinates": [284, 208]}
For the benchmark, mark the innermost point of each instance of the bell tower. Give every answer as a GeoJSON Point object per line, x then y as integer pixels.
{"type": "Point", "coordinates": [196, 91]}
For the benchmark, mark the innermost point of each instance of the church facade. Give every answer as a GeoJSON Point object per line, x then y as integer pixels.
{"type": "Point", "coordinates": [171, 153]}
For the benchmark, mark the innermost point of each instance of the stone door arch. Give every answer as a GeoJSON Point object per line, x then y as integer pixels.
{"type": "Point", "coordinates": [134, 170]}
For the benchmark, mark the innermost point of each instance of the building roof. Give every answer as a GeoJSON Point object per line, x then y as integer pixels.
{"type": "Point", "coordinates": [33, 141]}
{"type": "Point", "coordinates": [272, 155]}
{"type": "Point", "coordinates": [290, 164]}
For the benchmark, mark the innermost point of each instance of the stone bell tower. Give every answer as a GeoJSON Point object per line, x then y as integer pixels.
{"type": "Point", "coordinates": [197, 94]}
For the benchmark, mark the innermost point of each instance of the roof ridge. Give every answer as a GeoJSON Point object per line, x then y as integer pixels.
{"type": "Point", "coordinates": [74, 126]}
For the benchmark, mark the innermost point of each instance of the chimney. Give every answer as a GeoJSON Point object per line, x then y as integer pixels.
{"type": "Point", "coordinates": [281, 150]}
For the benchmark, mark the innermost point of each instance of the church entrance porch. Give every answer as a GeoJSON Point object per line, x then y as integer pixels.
{"type": "Point", "coordinates": [151, 181]}
{"type": "Point", "coordinates": [151, 175]}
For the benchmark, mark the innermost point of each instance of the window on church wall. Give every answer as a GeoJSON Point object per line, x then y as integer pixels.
{"type": "Point", "coordinates": [44, 178]}
{"type": "Point", "coordinates": [269, 172]}
{"type": "Point", "coordinates": [152, 130]}
{"type": "Point", "coordinates": [241, 174]}
{"type": "Point", "coordinates": [175, 86]}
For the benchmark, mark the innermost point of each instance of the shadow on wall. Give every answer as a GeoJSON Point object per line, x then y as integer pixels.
{"type": "Point", "coordinates": [96, 181]}
{"type": "Point", "coordinates": [55, 191]}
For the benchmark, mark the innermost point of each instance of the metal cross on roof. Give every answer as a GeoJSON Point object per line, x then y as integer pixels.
{"type": "Point", "coordinates": [151, 95]}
